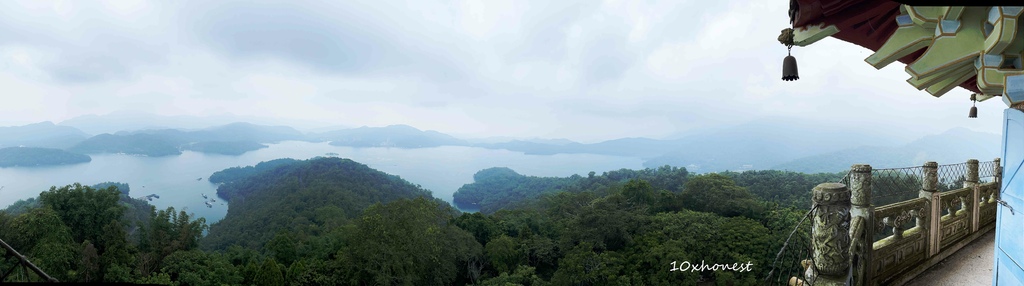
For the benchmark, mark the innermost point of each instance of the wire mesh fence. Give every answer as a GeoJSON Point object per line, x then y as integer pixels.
{"type": "Point", "coordinates": [895, 184]}
{"type": "Point", "coordinates": [951, 176]}
{"type": "Point", "coordinates": [986, 171]}
{"type": "Point", "coordinates": [846, 179]}
{"type": "Point", "coordinates": [888, 186]}
{"type": "Point", "coordinates": [794, 257]}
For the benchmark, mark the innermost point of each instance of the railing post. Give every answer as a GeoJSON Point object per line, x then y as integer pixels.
{"type": "Point", "coordinates": [997, 172]}
{"type": "Point", "coordinates": [862, 215]}
{"type": "Point", "coordinates": [972, 182]}
{"type": "Point", "coordinates": [930, 191]}
{"type": "Point", "coordinates": [830, 234]}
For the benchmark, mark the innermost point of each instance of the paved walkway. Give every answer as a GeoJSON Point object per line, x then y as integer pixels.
{"type": "Point", "coordinates": [971, 265]}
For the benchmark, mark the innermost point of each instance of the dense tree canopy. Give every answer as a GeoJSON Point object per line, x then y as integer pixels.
{"type": "Point", "coordinates": [294, 197]}
{"type": "Point", "coordinates": [78, 233]}
{"type": "Point", "coordinates": [329, 221]}
{"type": "Point", "coordinates": [497, 188]}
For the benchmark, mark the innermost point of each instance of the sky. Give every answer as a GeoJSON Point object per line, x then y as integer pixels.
{"type": "Point", "coordinates": [582, 70]}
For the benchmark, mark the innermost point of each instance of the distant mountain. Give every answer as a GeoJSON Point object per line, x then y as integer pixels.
{"type": "Point", "coordinates": [753, 145]}
{"type": "Point", "coordinates": [43, 134]}
{"type": "Point", "coordinates": [231, 139]}
{"type": "Point", "coordinates": [241, 131]}
{"type": "Point", "coordinates": [506, 139]}
{"type": "Point", "coordinates": [137, 144]}
{"type": "Point", "coordinates": [762, 144]}
{"type": "Point", "coordinates": [134, 120]}
{"type": "Point", "coordinates": [953, 146]}
{"type": "Point", "coordinates": [32, 156]}
{"type": "Point", "coordinates": [401, 136]}
{"type": "Point", "coordinates": [633, 147]}
{"type": "Point", "coordinates": [224, 147]}
{"type": "Point", "coordinates": [238, 131]}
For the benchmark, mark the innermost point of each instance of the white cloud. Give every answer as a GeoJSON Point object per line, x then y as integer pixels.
{"type": "Point", "coordinates": [582, 70]}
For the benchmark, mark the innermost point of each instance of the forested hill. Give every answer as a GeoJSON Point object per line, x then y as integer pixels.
{"type": "Point", "coordinates": [31, 156]}
{"type": "Point", "coordinates": [499, 188]}
{"type": "Point", "coordinates": [292, 196]}
{"type": "Point", "coordinates": [240, 173]}
{"type": "Point", "coordinates": [141, 144]}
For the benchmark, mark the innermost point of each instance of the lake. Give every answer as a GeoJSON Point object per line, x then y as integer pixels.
{"type": "Point", "coordinates": [174, 178]}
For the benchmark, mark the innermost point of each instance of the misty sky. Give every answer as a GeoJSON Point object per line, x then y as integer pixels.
{"type": "Point", "coordinates": [583, 70]}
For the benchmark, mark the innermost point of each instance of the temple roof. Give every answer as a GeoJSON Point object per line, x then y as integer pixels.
{"type": "Point", "coordinates": [866, 23]}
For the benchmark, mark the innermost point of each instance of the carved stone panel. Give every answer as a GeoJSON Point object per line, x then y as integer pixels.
{"type": "Point", "coordinates": [831, 230]}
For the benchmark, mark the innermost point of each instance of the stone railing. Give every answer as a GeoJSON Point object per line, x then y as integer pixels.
{"type": "Point", "coordinates": [856, 243]}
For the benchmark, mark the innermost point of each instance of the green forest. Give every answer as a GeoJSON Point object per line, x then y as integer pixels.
{"type": "Point", "coordinates": [33, 156]}
{"type": "Point", "coordinates": [331, 221]}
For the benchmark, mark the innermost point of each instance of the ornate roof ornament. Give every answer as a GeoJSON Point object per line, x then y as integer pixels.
{"type": "Point", "coordinates": [977, 48]}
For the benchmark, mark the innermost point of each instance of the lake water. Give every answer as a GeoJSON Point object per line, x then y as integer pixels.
{"type": "Point", "coordinates": [441, 169]}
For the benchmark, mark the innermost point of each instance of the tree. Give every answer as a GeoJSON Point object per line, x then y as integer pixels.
{"type": "Point", "coordinates": [481, 226]}
{"type": "Point", "coordinates": [718, 194]}
{"type": "Point", "coordinates": [194, 267]}
{"type": "Point", "coordinates": [524, 275]}
{"type": "Point", "coordinates": [582, 266]}
{"type": "Point", "coordinates": [168, 232]}
{"type": "Point", "coordinates": [296, 270]}
{"type": "Point", "coordinates": [503, 254]}
{"type": "Point", "coordinates": [46, 241]}
{"type": "Point", "coordinates": [269, 274]}
{"type": "Point", "coordinates": [84, 210]}
{"type": "Point", "coordinates": [283, 248]}
{"type": "Point", "coordinates": [89, 265]}
{"type": "Point", "coordinates": [410, 242]}
{"type": "Point", "coordinates": [638, 192]}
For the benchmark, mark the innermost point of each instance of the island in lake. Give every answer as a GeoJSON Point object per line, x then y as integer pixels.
{"type": "Point", "coordinates": [225, 147]}
{"type": "Point", "coordinates": [34, 156]}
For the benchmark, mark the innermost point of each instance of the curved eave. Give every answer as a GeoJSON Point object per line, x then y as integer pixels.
{"type": "Point", "coordinates": [866, 23]}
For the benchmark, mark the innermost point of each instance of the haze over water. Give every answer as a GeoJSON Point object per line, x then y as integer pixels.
{"type": "Point", "coordinates": [441, 170]}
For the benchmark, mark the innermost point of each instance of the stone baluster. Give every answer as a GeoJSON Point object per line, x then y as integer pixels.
{"type": "Point", "coordinates": [997, 172]}
{"type": "Point", "coordinates": [862, 231]}
{"type": "Point", "coordinates": [972, 182]}
{"type": "Point", "coordinates": [830, 234]}
{"type": "Point", "coordinates": [930, 191]}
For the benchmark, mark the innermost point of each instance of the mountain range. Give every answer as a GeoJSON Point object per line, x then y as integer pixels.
{"type": "Point", "coordinates": [42, 134]}
{"type": "Point", "coordinates": [953, 146]}
{"type": "Point", "coordinates": [766, 144]}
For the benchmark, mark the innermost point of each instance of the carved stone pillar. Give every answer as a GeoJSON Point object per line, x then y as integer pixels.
{"type": "Point", "coordinates": [971, 181]}
{"type": "Point", "coordinates": [998, 173]}
{"type": "Point", "coordinates": [830, 233]}
{"type": "Point", "coordinates": [930, 191]}
{"type": "Point", "coordinates": [862, 218]}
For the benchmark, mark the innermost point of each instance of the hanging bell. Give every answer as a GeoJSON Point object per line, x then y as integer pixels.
{"type": "Point", "coordinates": [789, 72]}
{"type": "Point", "coordinates": [974, 107]}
